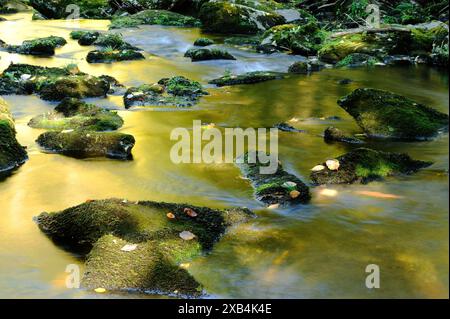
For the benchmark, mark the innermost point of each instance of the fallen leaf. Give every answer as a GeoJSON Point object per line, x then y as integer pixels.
{"type": "Point", "coordinates": [294, 120]}
{"type": "Point", "coordinates": [187, 235]}
{"type": "Point", "coordinates": [333, 165]}
{"type": "Point", "coordinates": [318, 168]}
{"type": "Point", "coordinates": [190, 212]}
{"type": "Point", "coordinates": [378, 195]}
{"type": "Point", "coordinates": [89, 200]}
{"type": "Point", "coordinates": [294, 194]}
{"type": "Point", "coordinates": [185, 266]}
{"type": "Point", "coordinates": [273, 206]}
{"type": "Point", "coordinates": [100, 290]}
{"type": "Point", "coordinates": [170, 216]}
{"type": "Point", "coordinates": [289, 185]}
{"type": "Point", "coordinates": [328, 192]}
{"type": "Point", "coordinates": [129, 247]}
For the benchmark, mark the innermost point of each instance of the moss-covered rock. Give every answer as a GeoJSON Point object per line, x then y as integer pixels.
{"type": "Point", "coordinates": [109, 56]}
{"type": "Point", "coordinates": [154, 17]}
{"type": "Point", "coordinates": [333, 134]}
{"type": "Point", "coordinates": [203, 42]}
{"type": "Point", "coordinates": [73, 114]}
{"type": "Point", "coordinates": [364, 165]}
{"type": "Point", "coordinates": [357, 60]}
{"type": "Point", "coordinates": [12, 154]}
{"type": "Point", "coordinates": [177, 91]}
{"type": "Point", "coordinates": [13, 6]}
{"type": "Point", "coordinates": [84, 144]}
{"type": "Point", "coordinates": [85, 37]}
{"type": "Point", "coordinates": [113, 41]}
{"type": "Point", "coordinates": [56, 9]}
{"type": "Point", "coordinates": [306, 67]}
{"type": "Point", "coordinates": [42, 46]}
{"type": "Point", "coordinates": [227, 17]}
{"type": "Point", "coordinates": [385, 114]}
{"type": "Point", "coordinates": [279, 188]}
{"type": "Point", "coordinates": [52, 83]}
{"type": "Point", "coordinates": [247, 78]}
{"type": "Point", "coordinates": [208, 54]}
{"type": "Point", "coordinates": [300, 39]}
{"type": "Point", "coordinates": [103, 229]}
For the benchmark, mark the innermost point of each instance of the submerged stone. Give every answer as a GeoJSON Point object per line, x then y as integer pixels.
{"type": "Point", "coordinates": [280, 188]}
{"type": "Point", "coordinates": [12, 154]}
{"type": "Point", "coordinates": [104, 229]}
{"type": "Point", "coordinates": [73, 114]}
{"type": "Point", "coordinates": [364, 165]}
{"type": "Point", "coordinates": [85, 144]}
{"type": "Point", "coordinates": [88, 38]}
{"type": "Point", "coordinates": [113, 41]}
{"type": "Point", "coordinates": [333, 134]}
{"type": "Point", "coordinates": [109, 56]}
{"type": "Point", "coordinates": [285, 127]}
{"type": "Point", "coordinates": [227, 17]}
{"type": "Point", "coordinates": [177, 91]}
{"type": "Point", "coordinates": [52, 83]}
{"type": "Point", "coordinates": [247, 78]}
{"type": "Point", "coordinates": [208, 54]}
{"type": "Point", "coordinates": [152, 17]}
{"type": "Point", "coordinates": [389, 115]}
{"type": "Point", "coordinates": [42, 46]}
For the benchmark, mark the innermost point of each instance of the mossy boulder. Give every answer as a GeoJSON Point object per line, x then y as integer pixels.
{"type": "Point", "coordinates": [177, 91]}
{"type": "Point", "coordinates": [56, 9]}
{"type": "Point", "coordinates": [203, 42]}
{"type": "Point", "coordinates": [306, 67]}
{"type": "Point", "coordinates": [85, 144]}
{"type": "Point", "coordinates": [85, 37]}
{"type": "Point", "coordinates": [303, 39]}
{"type": "Point", "coordinates": [333, 134]}
{"type": "Point", "coordinates": [113, 41]}
{"type": "Point", "coordinates": [389, 115]}
{"type": "Point", "coordinates": [52, 83]}
{"type": "Point", "coordinates": [227, 17]}
{"type": "Point", "coordinates": [74, 114]}
{"type": "Point", "coordinates": [357, 60]}
{"type": "Point", "coordinates": [153, 17]}
{"type": "Point", "coordinates": [208, 54]}
{"type": "Point", "coordinates": [153, 262]}
{"type": "Point", "coordinates": [109, 56]}
{"type": "Point", "coordinates": [279, 188]}
{"type": "Point", "coordinates": [363, 165]}
{"type": "Point", "coordinates": [12, 154]}
{"type": "Point", "coordinates": [13, 6]}
{"type": "Point", "coordinates": [247, 78]}
{"type": "Point", "coordinates": [42, 46]}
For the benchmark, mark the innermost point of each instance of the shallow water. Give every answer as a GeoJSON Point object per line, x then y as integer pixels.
{"type": "Point", "coordinates": [316, 251]}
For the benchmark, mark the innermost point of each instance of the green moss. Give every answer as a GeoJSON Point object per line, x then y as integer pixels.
{"type": "Point", "coordinates": [101, 229]}
{"type": "Point", "coordinates": [109, 56]}
{"type": "Point", "coordinates": [152, 17]}
{"type": "Point", "coordinates": [114, 41]}
{"type": "Point", "coordinates": [247, 78]}
{"type": "Point", "coordinates": [76, 35]}
{"type": "Point", "coordinates": [208, 54]}
{"type": "Point", "coordinates": [84, 144]}
{"type": "Point", "coordinates": [385, 114]}
{"type": "Point", "coordinates": [357, 59]}
{"type": "Point", "coordinates": [364, 165]}
{"type": "Point", "coordinates": [41, 46]}
{"type": "Point", "coordinates": [203, 42]}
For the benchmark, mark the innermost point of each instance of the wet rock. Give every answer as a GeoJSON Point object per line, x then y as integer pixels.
{"type": "Point", "coordinates": [247, 78]}
{"type": "Point", "coordinates": [208, 54]}
{"type": "Point", "coordinates": [177, 91]}
{"type": "Point", "coordinates": [85, 144]}
{"type": "Point", "coordinates": [399, 60]}
{"type": "Point", "coordinates": [226, 17]}
{"type": "Point", "coordinates": [276, 188]}
{"type": "Point", "coordinates": [345, 81]}
{"type": "Point", "coordinates": [364, 165]}
{"type": "Point", "coordinates": [153, 17]}
{"type": "Point", "coordinates": [73, 114]}
{"type": "Point", "coordinates": [306, 67]}
{"type": "Point", "coordinates": [42, 46]}
{"type": "Point", "coordinates": [12, 6]}
{"type": "Point", "coordinates": [88, 38]}
{"type": "Point", "coordinates": [389, 115]}
{"type": "Point", "coordinates": [51, 83]}
{"type": "Point", "coordinates": [357, 60]}
{"type": "Point", "coordinates": [109, 56]}
{"type": "Point", "coordinates": [300, 39]}
{"type": "Point", "coordinates": [101, 229]}
{"type": "Point", "coordinates": [285, 127]}
{"type": "Point", "coordinates": [333, 134]}
{"type": "Point", "coordinates": [12, 154]}
{"type": "Point", "coordinates": [203, 42]}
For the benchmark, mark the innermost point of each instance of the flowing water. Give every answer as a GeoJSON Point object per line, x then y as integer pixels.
{"type": "Point", "coordinates": [319, 250]}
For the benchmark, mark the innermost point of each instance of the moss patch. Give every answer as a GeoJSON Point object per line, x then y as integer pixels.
{"type": "Point", "coordinates": [247, 78]}
{"type": "Point", "coordinates": [152, 17]}
{"type": "Point", "coordinates": [208, 54]}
